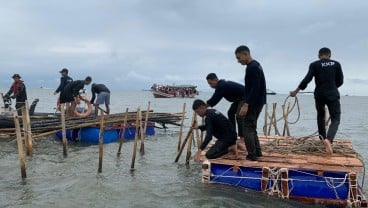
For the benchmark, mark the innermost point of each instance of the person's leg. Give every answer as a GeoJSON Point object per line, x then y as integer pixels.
{"type": "Point", "coordinates": [258, 110]}
{"type": "Point", "coordinates": [218, 149]}
{"type": "Point", "coordinates": [96, 109]}
{"type": "Point", "coordinates": [250, 133]}
{"type": "Point", "coordinates": [231, 113]}
{"type": "Point", "coordinates": [240, 120]}
{"type": "Point", "coordinates": [321, 113]}
{"type": "Point", "coordinates": [334, 109]}
{"type": "Point", "coordinates": [107, 103]}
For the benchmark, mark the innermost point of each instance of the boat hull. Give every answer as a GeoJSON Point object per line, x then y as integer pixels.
{"type": "Point", "coordinates": [158, 94]}
{"type": "Point", "coordinates": [92, 134]}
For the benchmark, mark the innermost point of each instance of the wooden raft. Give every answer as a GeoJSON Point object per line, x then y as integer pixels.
{"type": "Point", "coordinates": [283, 152]}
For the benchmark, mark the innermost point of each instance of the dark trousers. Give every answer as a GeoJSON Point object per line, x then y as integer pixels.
{"type": "Point", "coordinates": [250, 131]}
{"type": "Point", "coordinates": [334, 110]}
{"type": "Point", "coordinates": [220, 148]}
{"type": "Point", "coordinates": [233, 116]}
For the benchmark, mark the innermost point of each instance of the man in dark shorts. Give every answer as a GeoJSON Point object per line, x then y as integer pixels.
{"type": "Point", "coordinates": [254, 99]}
{"type": "Point", "coordinates": [328, 77]}
{"type": "Point", "coordinates": [71, 91]}
{"type": "Point", "coordinates": [217, 125]}
{"type": "Point", "coordinates": [232, 92]}
{"type": "Point", "coordinates": [103, 96]}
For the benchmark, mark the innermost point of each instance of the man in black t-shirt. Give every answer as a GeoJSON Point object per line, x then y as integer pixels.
{"type": "Point", "coordinates": [328, 77]}
{"type": "Point", "coordinates": [216, 125]}
{"type": "Point", "coordinates": [254, 99]}
{"type": "Point", "coordinates": [232, 92]}
{"type": "Point", "coordinates": [71, 92]}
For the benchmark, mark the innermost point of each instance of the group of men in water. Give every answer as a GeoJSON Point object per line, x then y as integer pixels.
{"type": "Point", "coordinates": [69, 92]}
{"type": "Point", "coordinates": [248, 100]}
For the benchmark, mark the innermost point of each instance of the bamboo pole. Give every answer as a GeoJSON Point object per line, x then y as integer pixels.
{"type": "Point", "coordinates": [265, 121]}
{"type": "Point", "coordinates": [20, 146]}
{"type": "Point", "coordinates": [135, 140]}
{"type": "Point", "coordinates": [25, 130]}
{"type": "Point", "coordinates": [189, 134]}
{"type": "Point", "coordinates": [181, 126]}
{"type": "Point", "coordinates": [202, 133]}
{"type": "Point", "coordinates": [199, 141]}
{"type": "Point", "coordinates": [100, 140]}
{"type": "Point", "coordinates": [189, 147]}
{"type": "Point", "coordinates": [63, 130]}
{"type": "Point", "coordinates": [143, 134]}
{"type": "Point", "coordinates": [29, 131]}
{"type": "Point", "coordinates": [123, 131]}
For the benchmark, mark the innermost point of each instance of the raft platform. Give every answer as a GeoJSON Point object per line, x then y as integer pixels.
{"type": "Point", "coordinates": [294, 168]}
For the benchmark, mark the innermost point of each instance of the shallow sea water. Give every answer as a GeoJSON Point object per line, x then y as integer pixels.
{"type": "Point", "coordinates": [57, 181]}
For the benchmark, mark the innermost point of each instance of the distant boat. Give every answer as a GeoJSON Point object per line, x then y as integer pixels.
{"type": "Point", "coordinates": [270, 92]}
{"type": "Point", "coordinates": [172, 91]}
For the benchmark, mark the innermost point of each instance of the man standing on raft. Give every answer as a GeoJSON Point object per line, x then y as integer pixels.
{"type": "Point", "coordinates": [103, 96]}
{"type": "Point", "coordinates": [328, 77]}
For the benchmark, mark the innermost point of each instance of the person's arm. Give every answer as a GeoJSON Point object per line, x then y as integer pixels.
{"type": "Point", "coordinates": [10, 91]}
{"type": "Point", "coordinates": [304, 83]}
{"type": "Point", "coordinates": [207, 139]}
{"type": "Point", "coordinates": [61, 85]}
{"type": "Point", "coordinates": [339, 76]}
{"type": "Point", "coordinates": [216, 97]}
{"type": "Point", "coordinates": [93, 94]}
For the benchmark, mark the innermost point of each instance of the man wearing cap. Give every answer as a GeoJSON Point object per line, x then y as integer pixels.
{"type": "Point", "coordinates": [217, 125]}
{"type": "Point", "coordinates": [64, 80]}
{"type": "Point", "coordinates": [71, 92]}
{"type": "Point", "coordinates": [17, 91]}
{"type": "Point", "coordinates": [103, 96]}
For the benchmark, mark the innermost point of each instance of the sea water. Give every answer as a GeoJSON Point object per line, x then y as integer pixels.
{"type": "Point", "coordinates": [57, 181]}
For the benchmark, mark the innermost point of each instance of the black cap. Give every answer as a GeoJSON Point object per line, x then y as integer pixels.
{"type": "Point", "coordinates": [197, 103]}
{"type": "Point", "coordinates": [64, 70]}
{"type": "Point", "coordinates": [88, 78]}
{"type": "Point", "coordinates": [16, 75]}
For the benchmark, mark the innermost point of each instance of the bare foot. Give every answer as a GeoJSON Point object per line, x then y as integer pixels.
{"type": "Point", "coordinates": [240, 146]}
{"type": "Point", "coordinates": [234, 149]}
{"type": "Point", "coordinates": [328, 146]}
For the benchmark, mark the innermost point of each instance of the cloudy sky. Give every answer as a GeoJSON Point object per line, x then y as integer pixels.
{"type": "Point", "coordinates": [131, 44]}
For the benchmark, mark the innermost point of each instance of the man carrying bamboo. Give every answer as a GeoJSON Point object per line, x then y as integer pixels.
{"type": "Point", "coordinates": [328, 77]}
{"type": "Point", "coordinates": [217, 125]}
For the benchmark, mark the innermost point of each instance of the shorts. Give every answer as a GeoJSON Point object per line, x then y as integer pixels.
{"type": "Point", "coordinates": [218, 149]}
{"type": "Point", "coordinates": [66, 98]}
{"type": "Point", "coordinates": [103, 97]}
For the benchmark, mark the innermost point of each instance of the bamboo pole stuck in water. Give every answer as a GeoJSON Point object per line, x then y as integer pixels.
{"type": "Point", "coordinates": [63, 129]}
{"type": "Point", "coordinates": [189, 148]}
{"type": "Point", "coordinates": [26, 135]}
{"type": "Point", "coordinates": [189, 134]}
{"type": "Point", "coordinates": [124, 126]}
{"type": "Point", "coordinates": [135, 139]}
{"type": "Point", "coordinates": [100, 141]}
{"type": "Point", "coordinates": [29, 131]}
{"type": "Point", "coordinates": [199, 141]}
{"type": "Point", "coordinates": [20, 146]}
{"type": "Point", "coordinates": [181, 127]}
{"type": "Point", "coordinates": [143, 133]}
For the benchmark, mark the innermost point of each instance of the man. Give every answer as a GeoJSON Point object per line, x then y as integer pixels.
{"type": "Point", "coordinates": [64, 80]}
{"type": "Point", "coordinates": [103, 96]}
{"type": "Point", "coordinates": [254, 99]}
{"type": "Point", "coordinates": [232, 92]}
{"type": "Point", "coordinates": [328, 77]}
{"type": "Point", "coordinates": [216, 125]}
{"type": "Point", "coordinates": [71, 92]}
{"type": "Point", "coordinates": [18, 92]}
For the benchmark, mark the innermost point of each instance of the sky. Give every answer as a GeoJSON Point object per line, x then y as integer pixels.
{"type": "Point", "coordinates": [132, 44]}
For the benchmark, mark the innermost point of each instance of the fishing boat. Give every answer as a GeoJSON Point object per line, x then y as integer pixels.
{"type": "Point", "coordinates": [174, 91]}
{"type": "Point", "coordinates": [112, 133]}
{"type": "Point", "coordinates": [288, 171]}
{"type": "Point", "coordinates": [270, 92]}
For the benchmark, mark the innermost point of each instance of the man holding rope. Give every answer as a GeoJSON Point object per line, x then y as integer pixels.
{"type": "Point", "coordinates": [328, 78]}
